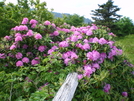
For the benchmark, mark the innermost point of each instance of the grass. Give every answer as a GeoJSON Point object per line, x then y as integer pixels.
{"type": "Point", "coordinates": [127, 44]}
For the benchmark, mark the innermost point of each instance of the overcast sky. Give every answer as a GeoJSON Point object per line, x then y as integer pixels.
{"type": "Point", "coordinates": [84, 7]}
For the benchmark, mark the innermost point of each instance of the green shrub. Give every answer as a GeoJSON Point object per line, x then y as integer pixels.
{"type": "Point", "coordinates": [36, 58]}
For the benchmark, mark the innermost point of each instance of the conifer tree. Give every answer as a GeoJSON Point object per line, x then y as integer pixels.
{"type": "Point", "coordinates": [106, 14]}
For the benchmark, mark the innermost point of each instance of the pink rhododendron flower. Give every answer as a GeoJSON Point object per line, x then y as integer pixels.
{"type": "Point", "coordinates": [86, 46]}
{"type": "Point", "coordinates": [2, 55]}
{"type": "Point", "coordinates": [17, 34]}
{"type": "Point", "coordinates": [19, 63]}
{"type": "Point", "coordinates": [32, 21]}
{"type": "Point", "coordinates": [102, 41]}
{"type": "Point", "coordinates": [33, 25]}
{"type": "Point", "coordinates": [80, 76]}
{"type": "Point", "coordinates": [94, 55]}
{"type": "Point", "coordinates": [13, 47]}
{"type": "Point", "coordinates": [24, 21]}
{"type": "Point", "coordinates": [106, 88]}
{"type": "Point", "coordinates": [25, 60]}
{"type": "Point", "coordinates": [112, 34]}
{"type": "Point", "coordinates": [55, 33]}
{"type": "Point", "coordinates": [87, 70]}
{"type": "Point", "coordinates": [18, 55]}
{"type": "Point", "coordinates": [73, 55]}
{"type": "Point", "coordinates": [22, 28]}
{"type": "Point", "coordinates": [11, 55]}
{"type": "Point", "coordinates": [50, 51]}
{"type": "Point", "coordinates": [30, 33]}
{"type": "Point", "coordinates": [54, 47]}
{"type": "Point", "coordinates": [34, 62]}
{"type": "Point", "coordinates": [125, 94]}
{"type": "Point", "coordinates": [74, 38]}
{"type": "Point", "coordinates": [110, 43]}
{"type": "Point", "coordinates": [66, 61]}
{"type": "Point", "coordinates": [53, 25]}
{"type": "Point", "coordinates": [41, 48]}
{"type": "Point", "coordinates": [18, 38]}
{"type": "Point", "coordinates": [47, 23]}
{"type": "Point", "coordinates": [93, 27]}
{"type": "Point", "coordinates": [95, 40]}
{"type": "Point", "coordinates": [7, 38]}
{"type": "Point", "coordinates": [25, 46]}
{"type": "Point", "coordinates": [38, 36]}
{"type": "Point", "coordinates": [96, 65]}
{"type": "Point", "coordinates": [63, 44]}
{"type": "Point", "coordinates": [89, 32]}
{"type": "Point", "coordinates": [85, 41]}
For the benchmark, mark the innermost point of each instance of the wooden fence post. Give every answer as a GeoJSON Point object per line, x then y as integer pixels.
{"type": "Point", "coordinates": [67, 90]}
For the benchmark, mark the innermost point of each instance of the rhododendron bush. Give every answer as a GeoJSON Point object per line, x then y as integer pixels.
{"type": "Point", "coordinates": [36, 58]}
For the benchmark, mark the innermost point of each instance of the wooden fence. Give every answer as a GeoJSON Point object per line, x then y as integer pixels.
{"type": "Point", "coordinates": [67, 90]}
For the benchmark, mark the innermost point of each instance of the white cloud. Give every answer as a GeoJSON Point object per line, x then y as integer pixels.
{"type": "Point", "coordinates": [84, 7]}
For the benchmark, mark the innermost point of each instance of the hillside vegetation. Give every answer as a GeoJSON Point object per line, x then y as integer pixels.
{"type": "Point", "coordinates": [127, 44]}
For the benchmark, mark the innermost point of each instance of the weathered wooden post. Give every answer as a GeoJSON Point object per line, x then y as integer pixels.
{"type": "Point", "coordinates": [67, 90]}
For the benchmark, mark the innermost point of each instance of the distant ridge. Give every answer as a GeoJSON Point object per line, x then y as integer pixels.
{"type": "Point", "coordinates": [56, 14]}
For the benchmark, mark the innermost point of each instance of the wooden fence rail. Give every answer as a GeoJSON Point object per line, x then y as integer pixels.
{"type": "Point", "coordinates": [67, 90]}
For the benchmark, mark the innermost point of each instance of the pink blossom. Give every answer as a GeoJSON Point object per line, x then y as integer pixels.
{"type": "Point", "coordinates": [80, 76]}
{"type": "Point", "coordinates": [54, 47]}
{"type": "Point", "coordinates": [18, 38]}
{"type": "Point", "coordinates": [13, 47]}
{"type": "Point", "coordinates": [30, 33]}
{"type": "Point", "coordinates": [66, 61]}
{"type": "Point", "coordinates": [8, 38]}
{"type": "Point", "coordinates": [17, 34]}
{"type": "Point", "coordinates": [112, 34]}
{"type": "Point", "coordinates": [32, 21]}
{"type": "Point", "coordinates": [55, 33]}
{"type": "Point", "coordinates": [19, 55]}
{"type": "Point", "coordinates": [87, 70]}
{"type": "Point", "coordinates": [19, 63]}
{"type": "Point", "coordinates": [63, 44]}
{"type": "Point", "coordinates": [34, 62]}
{"type": "Point", "coordinates": [73, 55]}
{"type": "Point", "coordinates": [89, 32]}
{"type": "Point", "coordinates": [25, 60]}
{"type": "Point", "coordinates": [95, 40]}
{"type": "Point", "coordinates": [125, 94]}
{"type": "Point", "coordinates": [85, 41]}
{"type": "Point", "coordinates": [33, 25]}
{"type": "Point", "coordinates": [2, 55]}
{"type": "Point", "coordinates": [25, 46]}
{"type": "Point", "coordinates": [38, 36]}
{"type": "Point", "coordinates": [86, 46]}
{"type": "Point", "coordinates": [50, 51]}
{"type": "Point", "coordinates": [53, 25]}
{"type": "Point", "coordinates": [106, 88]}
{"type": "Point", "coordinates": [22, 28]}
{"type": "Point", "coordinates": [93, 27]}
{"type": "Point", "coordinates": [41, 48]}
{"type": "Point", "coordinates": [47, 23]}
{"type": "Point", "coordinates": [102, 41]}
{"type": "Point", "coordinates": [74, 38]}
{"type": "Point", "coordinates": [94, 55]}
{"type": "Point", "coordinates": [11, 55]}
{"type": "Point", "coordinates": [24, 21]}
{"type": "Point", "coordinates": [95, 65]}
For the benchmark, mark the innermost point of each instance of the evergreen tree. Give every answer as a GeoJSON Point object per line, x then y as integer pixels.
{"type": "Point", "coordinates": [106, 14]}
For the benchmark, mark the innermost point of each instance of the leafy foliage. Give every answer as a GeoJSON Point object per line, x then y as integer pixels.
{"type": "Point", "coordinates": [34, 61]}
{"type": "Point", "coordinates": [11, 14]}
{"type": "Point", "coordinates": [124, 27]}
